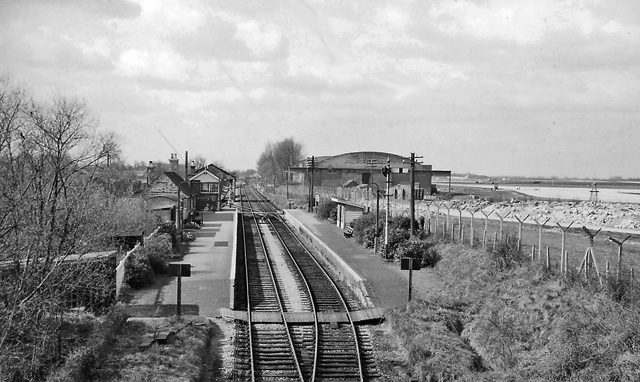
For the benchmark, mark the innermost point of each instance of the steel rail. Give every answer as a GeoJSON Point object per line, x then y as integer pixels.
{"type": "Point", "coordinates": [279, 297]}
{"type": "Point", "coordinates": [246, 275]}
{"type": "Point", "coordinates": [311, 297]}
{"type": "Point", "coordinates": [337, 290]}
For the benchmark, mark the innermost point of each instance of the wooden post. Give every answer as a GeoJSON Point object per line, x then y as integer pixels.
{"type": "Point", "coordinates": [437, 219]}
{"type": "Point", "coordinates": [484, 238]}
{"type": "Point", "coordinates": [179, 297]}
{"type": "Point", "coordinates": [495, 238]}
{"type": "Point", "coordinates": [410, 279]}
{"type": "Point", "coordinates": [461, 234]}
{"type": "Point", "coordinates": [548, 260]}
{"type": "Point", "coordinates": [533, 253]}
{"type": "Point", "coordinates": [606, 272]}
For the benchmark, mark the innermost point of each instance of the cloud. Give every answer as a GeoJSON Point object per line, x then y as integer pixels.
{"type": "Point", "coordinates": [519, 22]}
{"type": "Point", "coordinates": [259, 37]}
{"type": "Point", "coordinates": [164, 64]}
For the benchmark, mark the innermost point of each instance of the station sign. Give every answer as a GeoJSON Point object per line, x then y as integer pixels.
{"type": "Point", "coordinates": [405, 264]}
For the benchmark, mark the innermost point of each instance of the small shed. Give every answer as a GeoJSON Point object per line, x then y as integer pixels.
{"type": "Point", "coordinates": [347, 212]}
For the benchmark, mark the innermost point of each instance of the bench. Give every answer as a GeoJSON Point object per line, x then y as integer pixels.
{"type": "Point", "coordinates": [348, 232]}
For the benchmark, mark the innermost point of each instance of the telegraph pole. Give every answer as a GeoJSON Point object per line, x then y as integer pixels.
{"type": "Point", "coordinates": [412, 203]}
{"type": "Point", "coordinates": [386, 171]}
{"type": "Point", "coordinates": [311, 163]}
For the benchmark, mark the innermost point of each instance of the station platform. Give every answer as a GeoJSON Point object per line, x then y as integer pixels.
{"type": "Point", "coordinates": [386, 285]}
{"type": "Point", "coordinates": [207, 291]}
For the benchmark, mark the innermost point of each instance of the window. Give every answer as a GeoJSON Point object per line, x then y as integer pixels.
{"type": "Point", "coordinates": [208, 188]}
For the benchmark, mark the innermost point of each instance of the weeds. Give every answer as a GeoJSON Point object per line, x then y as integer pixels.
{"type": "Point", "coordinates": [507, 255]}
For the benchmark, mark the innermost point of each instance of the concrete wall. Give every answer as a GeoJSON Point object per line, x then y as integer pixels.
{"type": "Point", "coordinates": [327, 256]}
{"type": "Point", "coordinates": [237, 243]}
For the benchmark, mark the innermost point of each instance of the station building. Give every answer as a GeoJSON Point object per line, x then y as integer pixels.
{"type": "Point", "coordinates": [207, 188]}
{"type": "Point", "coordinates": [365, 167]}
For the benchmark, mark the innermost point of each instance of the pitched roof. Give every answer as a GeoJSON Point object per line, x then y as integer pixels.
{"type": "Point", "coordinates": [217, 171]}
{"type": "Point", "coordinates": [178, 181]}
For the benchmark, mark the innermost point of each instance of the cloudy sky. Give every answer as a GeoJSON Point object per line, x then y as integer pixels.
{"type": "Point", "coordinates": [499, 87]}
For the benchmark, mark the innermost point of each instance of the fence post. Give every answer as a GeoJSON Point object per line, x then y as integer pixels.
{"type": "Point", "coordinates": [520, 223]}
{"type": "Point", "coordinates": [548, 261]}
{"type": "Point", "coordinates": [502, 222]}
{"type": "Point", "coordinates": [619, 253]}
{"type": "Point", "coordinates": [473, 214]}
{"type": "Point", "coordinates": [540, 226]}
{"type": "Point", "coordinates": [460, 221]}
{"type": "Point", "coordinates": [495, 237]}
{"type": "Point", "coordinates": [563, 253]}
{"type": "Point", "coordinates": [428, 218]}
{"type": "Point", "coordinates": [533, 253]}
{"type": "Point", "coordinates": [448, 207]}
{"type": "Point", "coordinates": [437, 218]}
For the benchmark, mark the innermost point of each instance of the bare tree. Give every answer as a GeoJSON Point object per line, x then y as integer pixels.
{"type": "Point", "coordinates": [278, 157]}
{"type": "Point", "coordinates": [55, 201]}
{"type": "Point", "coordinates": [200, 161]}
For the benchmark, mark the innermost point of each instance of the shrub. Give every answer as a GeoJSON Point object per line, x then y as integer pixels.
{"type": "Point", "coordinates": [417, 249]}
{"type": "Point", "coordinates": [623, 289]}
{"type": "Point", "coordinates": [328, 210]}
{"type": "Point", "coordinates": [159, 251]}
{"type": "Point", "coordinates": [364, 230]}
{"type": "Point", "coordinates": [170, 229]}
{"type": "Point", "coordinates": [138, 270]}
{"type": "Point", "coordinates": [507, 254]}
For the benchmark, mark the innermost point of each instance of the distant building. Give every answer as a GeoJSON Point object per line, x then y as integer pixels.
{"type": "Point", "coordinates": [365, 167]}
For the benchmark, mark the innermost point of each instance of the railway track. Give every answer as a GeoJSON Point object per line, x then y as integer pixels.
{"type": "Point", "coordinates": [291, 331]}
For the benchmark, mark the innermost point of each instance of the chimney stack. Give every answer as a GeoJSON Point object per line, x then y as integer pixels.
{"type": "Point", "coordinates": [174, 162]}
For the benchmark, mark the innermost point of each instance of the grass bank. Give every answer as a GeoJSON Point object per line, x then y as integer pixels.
{"type": "Point", "coordinates": [503, 318]}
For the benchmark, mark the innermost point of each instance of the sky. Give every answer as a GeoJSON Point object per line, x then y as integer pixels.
{"type": "Point", "coordinates": [495, 87]}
